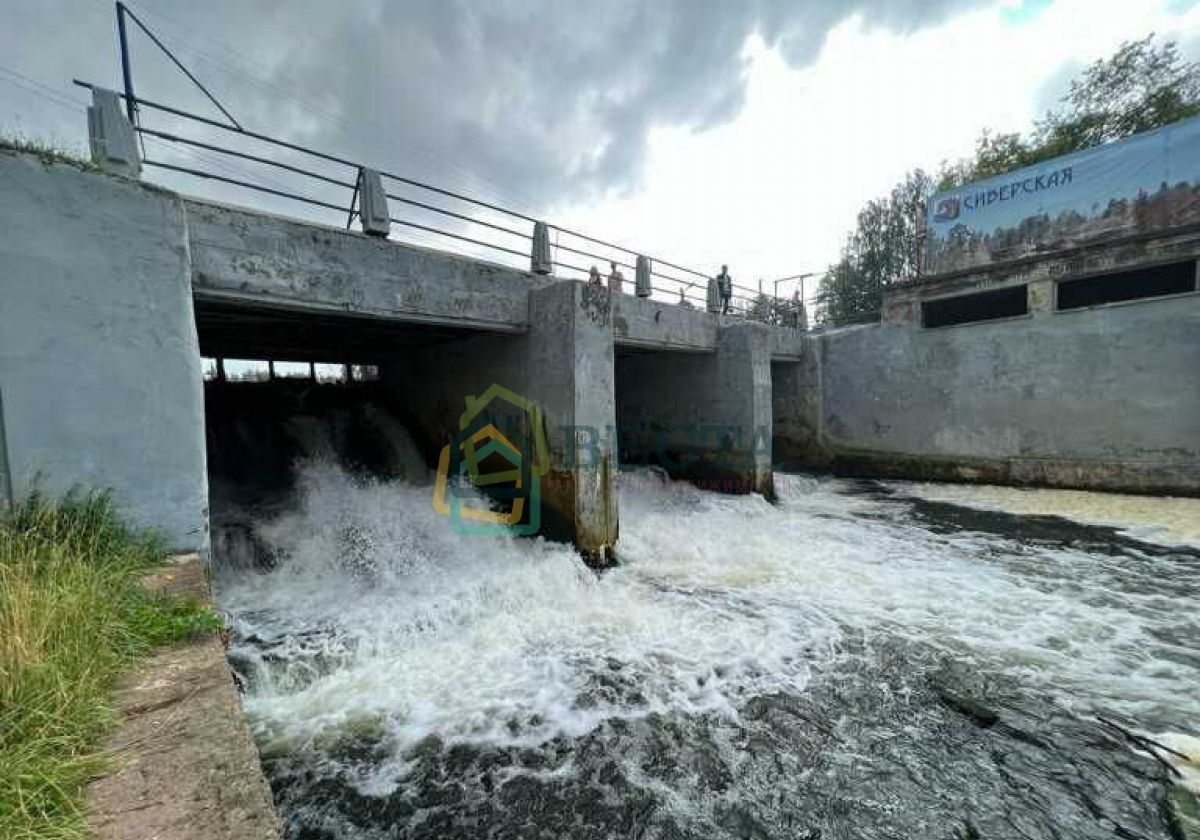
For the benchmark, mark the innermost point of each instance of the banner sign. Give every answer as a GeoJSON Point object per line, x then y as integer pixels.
{"type": "Point", "coordinates": [1145, 182]}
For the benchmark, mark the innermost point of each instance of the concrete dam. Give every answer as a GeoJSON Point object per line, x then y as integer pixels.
{"type": "Point", "coordinates": [116, 291]}
{"type": "Point", "coordinates": [395, 503]}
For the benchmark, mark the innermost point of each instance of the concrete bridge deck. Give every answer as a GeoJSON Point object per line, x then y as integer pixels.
{"type": "Point", "coordinates": [243, 259]}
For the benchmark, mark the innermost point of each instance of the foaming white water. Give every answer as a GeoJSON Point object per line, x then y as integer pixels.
{"type": "Point", "coordinates": [493, 638]}
{"type": "Point", "coordinates": [1165, 520]}
{"type": "Point", "coordinates": [381, 613]}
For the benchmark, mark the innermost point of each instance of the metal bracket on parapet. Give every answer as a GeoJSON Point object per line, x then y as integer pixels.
{"type": "Point", "coordinates": [372, 204]}
{"type": "Point", "coordinates": [111, 137]}
{"type": "Point", "coordinates": [539, 258]}
{"type": "Point", "coordinates": [642, 286]}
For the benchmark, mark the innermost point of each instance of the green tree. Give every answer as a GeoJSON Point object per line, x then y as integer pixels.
{"type": "Point", "coordinates": [884, 248]}
{"type": "Point", "coordinates": [1142, 86]}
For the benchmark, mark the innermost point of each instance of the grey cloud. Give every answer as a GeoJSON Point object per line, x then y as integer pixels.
{"type": "Point", "coordinates": [537, 104]}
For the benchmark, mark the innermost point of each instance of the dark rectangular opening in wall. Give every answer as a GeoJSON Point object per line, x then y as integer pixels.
{"type": "Point", "coordinates": [1155, 281]}
{"type": "Point", "coordinates": [981, 306]}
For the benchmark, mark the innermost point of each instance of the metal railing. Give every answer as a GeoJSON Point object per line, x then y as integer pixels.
{"type": "Point", "coordinates": [485, 227]}
{"type": "Point", "coordinates": [437, 216]}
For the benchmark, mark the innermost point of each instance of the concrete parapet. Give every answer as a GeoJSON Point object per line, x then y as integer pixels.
{"type": "Point", "coordinates": [259, 259]}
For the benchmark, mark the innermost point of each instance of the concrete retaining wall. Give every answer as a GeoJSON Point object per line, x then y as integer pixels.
{"type": "Point", "coordinates": [1105, 398]}
{"type": "Point", "coordinates": [99, 364]}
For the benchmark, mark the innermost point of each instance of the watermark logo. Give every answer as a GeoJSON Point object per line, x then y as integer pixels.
{"type": "Point", "coordinates": [499, 451]}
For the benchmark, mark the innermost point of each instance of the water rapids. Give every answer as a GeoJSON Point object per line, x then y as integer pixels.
{"type": "Point", "coordinates": [850, 662]}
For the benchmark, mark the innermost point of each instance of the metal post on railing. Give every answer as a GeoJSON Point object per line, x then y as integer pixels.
{"type": "Point", "coordinates": [111, 137]}
{"type": "Point", "coordinates": [714, 296]}
{"type": "Point", "coordinates": [642, 286]}
{"type": "Point", "coordinates": [126, 74]}
{"type": "Point", "coordinates": [353, 200]}
{"type": "Point", "coordinates": [372, 204]}
{"type": "Point", "coordinates": [540, 261]}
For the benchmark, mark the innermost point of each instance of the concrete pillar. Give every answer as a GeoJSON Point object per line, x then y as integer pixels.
{"type": "Point", "coordinates": [741, 402]}
{"type": "Point", "coordinates": [570, 376]}
{"type": "Point", "coordinates": [111, 138]}
{"type": "Point", "coordinates": [557, 375]}
{"type": "Point", "coordinates": [99, 356]}
{"type": "Point", "coordinates": [796, 418]}
{"type": "Point", "coordinates": [901, 311]}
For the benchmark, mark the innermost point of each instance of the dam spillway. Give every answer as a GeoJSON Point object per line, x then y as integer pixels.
{"type": "Point", "coordinates": [844, 650]}
{"type": "Point", "coordinates": [116, 305]}
{"type": "Point", "coordinates": [830, 665]}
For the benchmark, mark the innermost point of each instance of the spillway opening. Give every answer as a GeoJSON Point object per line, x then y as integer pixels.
{"type": "Point", "coordinates": [285, 389]}
{"type": "Point", "coordinates": [661, 420]}
{"type": "Point", "coordinates": [703, 417]}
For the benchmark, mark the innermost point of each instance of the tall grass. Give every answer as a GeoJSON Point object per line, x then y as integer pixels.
{"type": "Point", "coordinates": [72, 617]}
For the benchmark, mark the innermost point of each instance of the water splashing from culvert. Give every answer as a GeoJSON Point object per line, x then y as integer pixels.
{"type": "Point", "coordinates": [844, 663]}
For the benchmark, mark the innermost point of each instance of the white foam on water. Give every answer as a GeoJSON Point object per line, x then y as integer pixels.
{"type": "Point", "coordinates": [1170, 520]}
{"type": "Point", "coordinates": [381, 613]}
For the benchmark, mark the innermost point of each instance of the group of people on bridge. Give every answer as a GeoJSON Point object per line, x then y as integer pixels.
{"type": "Point", "coordinates": [720, 295]}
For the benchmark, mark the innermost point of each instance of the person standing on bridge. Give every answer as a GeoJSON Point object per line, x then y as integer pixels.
{"type": "Point", "coordinates": [799, 316]}
{"type": "Point", "coordinates": [616, 280]}
{"type": "Point", "coordinates": [725, 289]}
{"type": "Point", "coordinates": [594, 277]}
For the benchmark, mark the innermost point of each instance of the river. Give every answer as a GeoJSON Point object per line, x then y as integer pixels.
{"type": "Point", "coordinates": [852, 661]}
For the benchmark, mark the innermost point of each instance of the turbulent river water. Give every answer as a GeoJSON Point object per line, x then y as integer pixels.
{"type": "Point", "coordinates": [851, 661]}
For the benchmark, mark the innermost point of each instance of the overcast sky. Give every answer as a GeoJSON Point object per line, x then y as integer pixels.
{"type": "Point", "coordinates": [703, 131]}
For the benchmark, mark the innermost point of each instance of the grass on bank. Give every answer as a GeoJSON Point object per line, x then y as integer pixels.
{"type": "Point", "coordinates": [73, 616]}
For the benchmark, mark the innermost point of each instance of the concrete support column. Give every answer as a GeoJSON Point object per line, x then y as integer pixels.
{"type": "Point", "coordinates": [796, 419]}
{"type": "Point", "coordinates": [570, 376]}
{"type": "Point", "coordinates": [551, 384]}
{"type": "Point", "coordinates": [741, 402]}
{"type": "Point", "coordinates": [901, 311]}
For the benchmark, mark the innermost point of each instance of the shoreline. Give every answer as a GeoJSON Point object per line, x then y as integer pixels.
{"type": "Point", "coordinates": [184, 764]}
